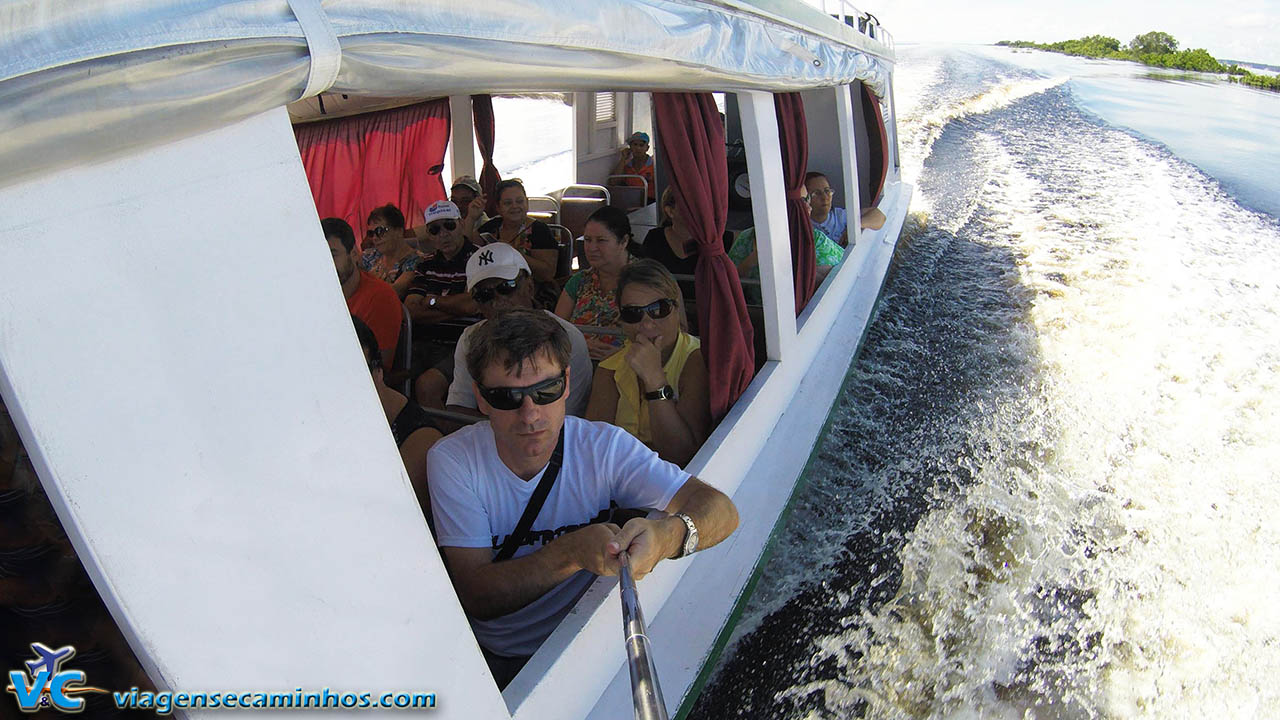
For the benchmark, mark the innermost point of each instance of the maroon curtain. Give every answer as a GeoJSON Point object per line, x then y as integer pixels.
{"type": "Point", "coordinates": [482, 115]}
{"type": "Point", "coordinates": [879, 142]}
{"type": "Point", "coordinates": [692, 149]}
{"type": "Point", "coordinates": [793, 135]}
{"type": "Point", "coordinates": [358, 163]}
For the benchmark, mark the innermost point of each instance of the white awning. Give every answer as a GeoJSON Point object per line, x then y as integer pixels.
{"type": "Point", "coordinates": [82, 81]}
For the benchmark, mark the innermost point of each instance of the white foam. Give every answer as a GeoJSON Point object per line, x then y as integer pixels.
{"type": "Point", "coordinates": [1152, 501]}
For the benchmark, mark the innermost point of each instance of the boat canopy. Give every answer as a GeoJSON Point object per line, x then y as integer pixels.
{"type": "Point", "coordinates": [80, 82]}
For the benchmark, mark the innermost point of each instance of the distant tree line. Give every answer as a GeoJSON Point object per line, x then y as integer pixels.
{"type": "Point", "coordinates": [1158, 49]}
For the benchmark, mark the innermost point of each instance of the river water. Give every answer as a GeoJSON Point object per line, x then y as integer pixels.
{"type": "Point", "coordinates": [1050, 486]}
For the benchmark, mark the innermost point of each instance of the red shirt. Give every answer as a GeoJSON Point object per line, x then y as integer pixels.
{"type": "Point", "coordinates": [376, 303]}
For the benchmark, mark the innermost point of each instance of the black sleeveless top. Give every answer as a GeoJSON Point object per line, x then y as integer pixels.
{"type": "Point", "coordinates": [409, 420]}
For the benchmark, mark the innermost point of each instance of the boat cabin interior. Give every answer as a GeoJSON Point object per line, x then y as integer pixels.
{"type": "Point", "coordinates": [778, 334]}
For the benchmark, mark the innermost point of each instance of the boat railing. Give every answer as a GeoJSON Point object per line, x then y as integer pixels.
{"type": "Point", "coordinates": [865, 23]}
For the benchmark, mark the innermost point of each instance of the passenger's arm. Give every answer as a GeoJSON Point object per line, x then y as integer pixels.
{"type": "Point", "coordinates": [402, 284]}
{"type": "Point", "coordinates": [414, 454]}
{"type": "Point", "coordinates": [421, 310]}
{"type": "Point", "coordinates": [679, 427]}
{"type": "Point", "coordinates": [490, 589]}
{"type": "Point", "coordinates": [820, 273]}
{"type": "Point", "coordinates": [649, 541]}
{"type": "Point", "coordinates": [458, 304]}
{"type": "Point", "coordinates": [564, 306]}
{"type": "Point", "coordinates": [603, 403]}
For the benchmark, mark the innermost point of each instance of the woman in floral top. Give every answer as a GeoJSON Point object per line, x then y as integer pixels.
{"type": "Point", "coordinates": [590, 296]}
{"type": "Point", "coordinates": [743, 254]}
{"type": "Point", "coordinates": [387, 254]}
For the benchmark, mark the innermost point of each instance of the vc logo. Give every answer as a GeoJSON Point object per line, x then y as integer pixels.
{"type": "Point", "coordinates": [45, 684]}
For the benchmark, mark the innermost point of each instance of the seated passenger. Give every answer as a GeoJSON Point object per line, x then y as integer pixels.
{"type": "Point", "coordinates": [636, 160]}
{"type": "Point", "coordinates": [438, 290]}
{"type": "Point", "coordinates": [589, 298]}
{"type": "Point", "coordinates": [671, 243]}
{"type": "Point", "coordinates": [466, 194]}
{"type": "Point", "coordinates": [368, 298]}
{"type": "Point", "coordinates": [833, 221]}
{"type": "Point", "coordinates": [413, 431]}
{"type": "Point", "coordinates": [516, 582]}
{"type": "Point", "coordinates": [514, 227]}
{"type": "Point", "coordinates": [500, 282]}
{"type": "Point", "coordinates": [387, 254]}
{"type": "Point", "coordinates": [655, 387]}
{"type": "Point", "coordinates": [743, 254]}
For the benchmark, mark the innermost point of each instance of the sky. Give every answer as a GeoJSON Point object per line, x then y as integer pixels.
{"type": "Point", "coordinates": [1247, 30]}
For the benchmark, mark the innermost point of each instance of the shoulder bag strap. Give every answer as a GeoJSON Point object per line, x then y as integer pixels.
{"type": "Point", "coordinates": [517, 537]}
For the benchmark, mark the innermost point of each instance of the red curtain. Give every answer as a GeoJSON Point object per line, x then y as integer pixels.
{"type": "Point", "coordinates": [482, 115]}
{"type": "Point", "coordinates": [879, 142]}
{"type": "Point", "coordinates": [692, 148]}
{"type": "Point", "coordinates": [793, 135]}
{"type": "Point", "coordinates": [358, 163]}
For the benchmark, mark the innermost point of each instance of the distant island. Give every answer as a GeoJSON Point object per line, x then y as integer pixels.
{"type": "Point", "coordinates": [1157, 49]}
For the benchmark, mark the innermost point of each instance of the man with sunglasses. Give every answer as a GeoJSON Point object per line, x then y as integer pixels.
{"type": "Point", "coordinates": [521, 502]}
{"type": "Point", "coordinates": [499, 280]}
{"type": "Point", "coordinates": [439, 288]}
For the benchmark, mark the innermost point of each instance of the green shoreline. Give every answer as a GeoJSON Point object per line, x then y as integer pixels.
{"type": "Point", "coordinates": [1155, 49]}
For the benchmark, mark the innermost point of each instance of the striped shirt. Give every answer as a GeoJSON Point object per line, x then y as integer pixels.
{"type": "Point", "coordinates": [439, 275]}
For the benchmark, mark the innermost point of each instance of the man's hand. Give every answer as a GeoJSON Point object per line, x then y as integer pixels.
{"type": "Point", "coordinates": [647, 542]}
{"type": "Point", "coordinates": [476, 209]}
{"type": "Point", "coordinates": [593, 548]}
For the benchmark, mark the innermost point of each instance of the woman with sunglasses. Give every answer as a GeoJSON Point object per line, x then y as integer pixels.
{"type": "Point", "coordinates": [514, 227]}
{"type": "Point", "coordinates": [590, 299]}
{"type": "Point", "coordinates": [413, 431]}
{"type": "Point", "coordinates": [388, 255]}
{"type": "Point", "coordinates": [655, 387]}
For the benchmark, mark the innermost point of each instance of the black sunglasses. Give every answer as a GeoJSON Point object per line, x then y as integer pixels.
{"type": "Point", "coordinates": [377, 232]}
{"type": "Point", "coordinates": [511, 398]}
{"type": "Point", "coordinates": [485, 294]}
{"type": "Point", "coordinates": [658, 309]}
{"type": "Point", "coordinates": [448, 225]}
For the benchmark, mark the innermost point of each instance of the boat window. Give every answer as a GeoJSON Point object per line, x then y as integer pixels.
{"type": "Point", "coordinates": [45, 595]}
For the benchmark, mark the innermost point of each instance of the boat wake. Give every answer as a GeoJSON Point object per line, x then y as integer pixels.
{"type": "Point", "coordinates": [1048, 488]}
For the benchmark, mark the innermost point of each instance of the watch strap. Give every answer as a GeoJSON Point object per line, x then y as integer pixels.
{"type": "Point", "coordinates": [666, 392]}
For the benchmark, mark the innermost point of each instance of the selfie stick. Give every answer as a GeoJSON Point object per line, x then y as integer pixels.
{"type": "Point", "coordinates": [645, 693]}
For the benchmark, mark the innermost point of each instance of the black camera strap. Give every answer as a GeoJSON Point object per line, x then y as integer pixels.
{"type": "Point", "coordinates": [539, 497]}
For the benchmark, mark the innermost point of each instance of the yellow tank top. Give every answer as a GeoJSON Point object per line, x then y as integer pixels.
{"type": "Point", "coordinates": [633, 409]}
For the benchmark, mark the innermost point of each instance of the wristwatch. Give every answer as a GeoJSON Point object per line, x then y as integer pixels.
{"type": "Point", "coordinates": [432, 302]}
{"type": "Point", "coordinates": [666, 392]}
{"type": "Point", "coordinates": [690, 545]}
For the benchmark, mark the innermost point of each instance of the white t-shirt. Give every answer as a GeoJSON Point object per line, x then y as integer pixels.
{"type": "Point", "coordinates": [477, 501]}
{"type": "Point", "coordinates": [580, 370]}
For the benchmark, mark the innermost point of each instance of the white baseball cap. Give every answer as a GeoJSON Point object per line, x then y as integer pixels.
{"type": "Point", "coordinates": [441, 210]}
{"type": "Point", "coordinates": [495, 260]}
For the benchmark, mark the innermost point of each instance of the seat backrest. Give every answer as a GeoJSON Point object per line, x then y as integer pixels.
{"type": "Point", "coordinates": [564, 245]}
{"type": "Point", "coordinates": [628, 197]}
{"type": "Point", "coordinates": [544, 208]}
{"type": "Point", "coordinates": [574, 212]}
{"type": "Point", "coordinates": [404, 349]}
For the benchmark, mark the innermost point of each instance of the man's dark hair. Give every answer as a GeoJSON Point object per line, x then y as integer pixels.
{"type": "Point", "coordinates": [514, 338]}
{"type": "Point", "coordinates": [812, 175]}
{"type": "Point", "coordinates": [338, 228]}
{"type": "Point", "coordinates": [390, 214]}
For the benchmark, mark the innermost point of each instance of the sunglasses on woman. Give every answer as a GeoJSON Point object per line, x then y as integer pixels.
{"type": "Point", "coordinates": [446, 224]}
{"type": "Point", "coordinates": [511, 398]}
{"type": "Point", "coordinates": [377, 232]}
{"type": "Point", "coordinates": [658, 309]}
{"type": "Point", "coordinates": [486, 294]}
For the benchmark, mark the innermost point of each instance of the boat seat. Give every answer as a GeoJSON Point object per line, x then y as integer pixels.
{"type": "Point", "coordinates": [565, 245]}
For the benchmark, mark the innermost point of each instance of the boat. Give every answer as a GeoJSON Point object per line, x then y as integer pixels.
{"type": "Point", "coordinates": [181, 367]}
